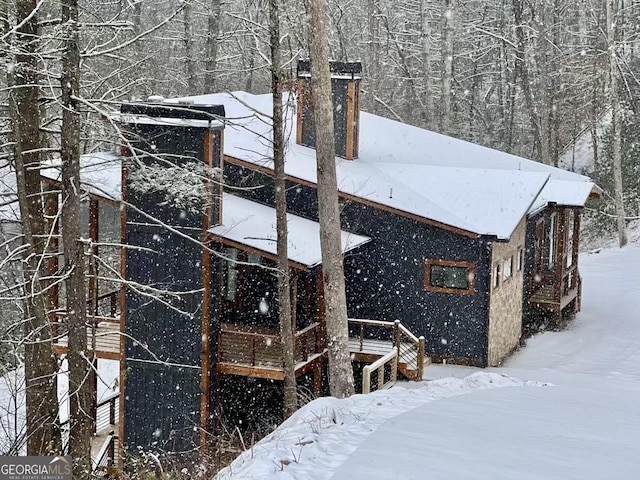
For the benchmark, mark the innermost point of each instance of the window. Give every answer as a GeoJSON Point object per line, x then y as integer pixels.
{"type": "Point", "coordinates": [570, 227]}
{"type": "Point", "coordinates": [507, 266]}
{"type": "Point", "coordinates": [496, 275]}
{"type": "Point", "coordinates": [552, 240]}
{"type": "Point", "coordinates": [231, 280]}
{"type": "Point", "coordinates": [520, 259]}
{"type": "Point", "coordinates": [449, 276]}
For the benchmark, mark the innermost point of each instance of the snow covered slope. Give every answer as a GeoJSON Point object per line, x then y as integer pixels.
{"type": "Point", "coordinates": [583, 423]}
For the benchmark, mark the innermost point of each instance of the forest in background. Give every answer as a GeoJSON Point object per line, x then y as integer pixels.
{"type": "Point", "coordinates": [526, 77]}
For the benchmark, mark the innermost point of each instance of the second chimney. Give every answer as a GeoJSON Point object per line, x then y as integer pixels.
{"type": "Point", "coordinates": [345, 85]}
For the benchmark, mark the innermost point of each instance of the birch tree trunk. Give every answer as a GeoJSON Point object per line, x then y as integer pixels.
{"type": "Point", "coordinates": [616, 142]}
{"type": "Point", "coordinates": [284, 287]}
{"type": "Point", "coordinates": [79, 394]}
{"type": "Point", "coordinates": [43, 435]}
{"type": "Point", "coordinates": [340, 369]}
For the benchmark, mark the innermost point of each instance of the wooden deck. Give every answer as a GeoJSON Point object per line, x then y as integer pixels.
{"type": "Point", "coordinates": [252, 351]}
{"type": "Point", "coordinates": [107, 339]}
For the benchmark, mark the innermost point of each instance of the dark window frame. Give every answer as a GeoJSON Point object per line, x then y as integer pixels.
{"type": "Point", "coordinates": [470, 266]}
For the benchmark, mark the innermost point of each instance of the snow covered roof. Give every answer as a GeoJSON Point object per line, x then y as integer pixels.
{"type": "Point", "coordinates": [167, 121]}
{"type": "Point", "coordinates": [254, 225]}
{"type": "Point", "coordinates": [100, 174]}
{"type": "Point", "coordinates": [563, 193]}
{"type": "Point", "coordinates": [410, 169]}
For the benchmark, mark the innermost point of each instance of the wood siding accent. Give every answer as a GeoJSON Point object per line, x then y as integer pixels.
{"type": "Point", "coordinates": [471, 266]}
{"type": "Point", "coordinates": [351, 98]}
{"type": "Point", "coordinates": [205, 356]}
{"type": "Point", "coordinates": [353, 198]}
{"type": "Point", "coordinates": [123, 311]}
{"type": "Point", "coordinates": [299, 111]}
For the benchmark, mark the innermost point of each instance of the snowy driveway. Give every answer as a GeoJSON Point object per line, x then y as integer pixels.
{"type": "Point", "coordinates": [585, 426]}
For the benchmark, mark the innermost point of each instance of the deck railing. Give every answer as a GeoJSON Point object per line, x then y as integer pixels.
{"type": "Point", "coordinates": [258, 349]}
{"type": "Point", "coordinates": [107, 412]}
{"type": "Point", "coordinates": [379, 367]}
{"type": "Point", "coordinates": [411, 349]}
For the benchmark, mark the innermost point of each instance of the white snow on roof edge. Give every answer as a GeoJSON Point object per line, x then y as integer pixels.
{"type": "Point", "coordinates": [254, 225]}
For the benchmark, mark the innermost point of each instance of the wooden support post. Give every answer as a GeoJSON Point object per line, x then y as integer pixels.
{"type": "Point", "coordinates": [52, 261]}
{"type": "Point", "coordinates": [205, 355]}
{"type": "Point", "coordinates": [420, 359]}
{"type": "Point", "coordinates": [94, 210]}
{"type": "Point", "coordinates": [350, 120]}
{"type": "Point", "coordinates": [123, 312]}
{"type": "Point", "coordinates": [396, 334]}
{"type": "Point", "coordinates": [317, 379]}
{"type": "Point", "coordinates": [93, 387]}
{"type": "Point", "coordinates": [560, 233]}
{"type": "Point", "coordinates": [294, 308]}
{"type": "Point", "coordinates": [300, 104]}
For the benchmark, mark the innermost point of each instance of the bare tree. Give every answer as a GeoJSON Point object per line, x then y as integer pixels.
{"type": "Point", "coordinates": [80, 420]}
{"type": "Point", "coordinates": [211, 45]}
{"type": "Point", "coordinates": [284, 288]}
{"type": "Point", "coordinates": [446, 107]}
{"type": "Point", "coordinates": [614, 96]}
{"type": "Point", "coordinates": [40, 365]}
{"type": "Point", "coordinates": [340, 369]}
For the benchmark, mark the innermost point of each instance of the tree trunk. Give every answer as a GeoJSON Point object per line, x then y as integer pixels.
{"type": "Point", "coordinates": [284, 288]}
{"type": "Point", "coordinates": [446, 106]}
{"type": "Point", "coordinates": [211, 59]}
{"type": "Point", "coordinates": [79, 395]}
{"type": "Point", "coordinates": [43, 434]}
{"type": "Point", "coordinates": [523, 73]}
{"type": "Point", "coordinates": [189, 63]}
{"type": "Point", "coordinates": [616, 133]}
{"type": "Point", "coordinates": [340, 369]}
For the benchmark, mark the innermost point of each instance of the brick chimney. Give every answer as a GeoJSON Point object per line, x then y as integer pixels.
{"type": "Point", "coordinates": [345, 83]}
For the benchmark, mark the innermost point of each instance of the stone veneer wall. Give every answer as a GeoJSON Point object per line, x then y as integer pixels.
{"type": "Point", "coordinates": [505, 304]}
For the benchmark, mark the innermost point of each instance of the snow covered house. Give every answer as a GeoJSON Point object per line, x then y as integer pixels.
{"type": "Point", "coordinates": [460, 243]}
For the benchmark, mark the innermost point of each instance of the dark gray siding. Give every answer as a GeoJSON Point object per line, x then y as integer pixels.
{"type": "Point", "coordinates": [162, 400]}
{"type": "Point", "coordinates": [385, 278]}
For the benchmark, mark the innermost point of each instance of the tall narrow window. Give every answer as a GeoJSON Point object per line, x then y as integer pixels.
{"type": "Point", "coordinates": [570, 239]}
{"type": "Point", "coordinates": [552, 240]}
{"type": "Point", "coordinates": [507, 267]}
{"type": "Point", "coordinates": [231, 280]}
{"type": "Point", "coordinates": [520, 259]}
{"type": "Point", "coordinates": [496, 275]}
{"type": "Point", "coordinates": [449, 276]}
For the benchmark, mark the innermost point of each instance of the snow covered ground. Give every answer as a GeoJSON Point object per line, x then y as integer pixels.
{"type": "Point", "coordinates": [12, 398]}
{"type": "Point", "coordinates": [566, 406]}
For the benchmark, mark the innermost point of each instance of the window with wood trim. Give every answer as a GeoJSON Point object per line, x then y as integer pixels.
{"type": "Point", "coordinates": [449, 276]}
{"type": "Point", "coordinates": [507, 267]}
